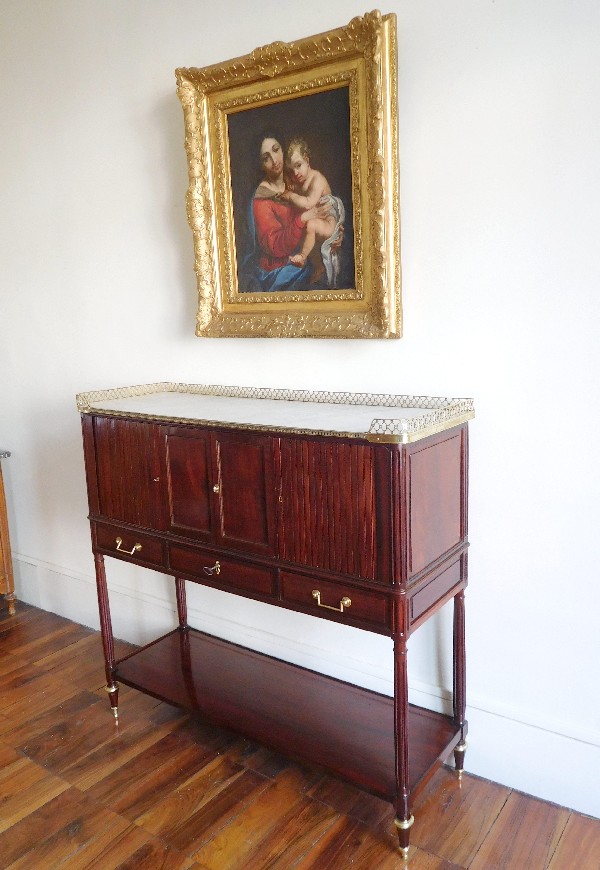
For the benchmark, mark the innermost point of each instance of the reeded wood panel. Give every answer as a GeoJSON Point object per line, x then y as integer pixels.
{"type": "Point", "coordinates": [328, 506]}
{"type": "Point", "coordinates": [190, 480]}
{"type": "Point", "coordinates": [128, 471]}
{"type": "Point", "coordinates": [246, 491]}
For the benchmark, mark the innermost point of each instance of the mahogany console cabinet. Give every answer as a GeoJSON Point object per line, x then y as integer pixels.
{"type": "Point", "coordinates": [346, 507]}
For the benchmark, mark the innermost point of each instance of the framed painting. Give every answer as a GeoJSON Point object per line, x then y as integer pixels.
{"type": "Point", "coordinates": [293, 186]}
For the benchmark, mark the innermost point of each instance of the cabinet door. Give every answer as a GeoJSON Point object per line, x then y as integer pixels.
{"type": "Point", "coordinates": [190, 481]}
{"type": "Point", "coordinates": [328, 509]}
{"type": "Point", "coordinates": [244, 466]}
{"type": "Point", "coordinates": [221, 487]}
{"type": "Point", "coordinates": [128, 471]}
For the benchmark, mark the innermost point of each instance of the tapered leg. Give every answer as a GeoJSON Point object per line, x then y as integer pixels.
{"type": "Point", "coordinates": [7, 580]}
{"type": "Point", "coordinates": [181, 601]}
{"type": "Point", "coordinates": [404, 820]}
{"type": "Point", "coordinates": [107, 635]}
{"type": "Point", "coordinates": [459, 679]}
{"type": "Point", "coordinates": [184, 640]}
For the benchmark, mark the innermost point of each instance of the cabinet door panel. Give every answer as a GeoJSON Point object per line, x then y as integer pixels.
{"type": "Point", "coordinates": [128, 471]}
{"type": "Point", "coordinates": [328, 506]}
{"type": "Point", "coordinates": [190, 482]}
{"type": "Point", "coordinates": [246, 491]}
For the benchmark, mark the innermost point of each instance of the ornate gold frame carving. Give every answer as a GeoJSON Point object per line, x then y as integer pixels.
{"type": "Point", "coordinates": [360, 57]}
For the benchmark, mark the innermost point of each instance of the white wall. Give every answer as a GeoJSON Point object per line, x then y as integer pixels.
{"type": "Point", "coordinates": [500, 191]}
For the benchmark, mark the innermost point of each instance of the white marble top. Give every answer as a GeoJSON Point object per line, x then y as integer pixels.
{"type": "Point", "coordinates": [376, 417]}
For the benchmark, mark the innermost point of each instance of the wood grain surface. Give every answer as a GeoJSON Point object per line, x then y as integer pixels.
{"type": "Point", "coordinates": [165, 792]}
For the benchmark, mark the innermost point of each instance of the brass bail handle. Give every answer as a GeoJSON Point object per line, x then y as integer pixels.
{"type": "Point", "coordinates": [344, 602]}
{"type": "Point", "coordinates": [216, 569]}
{"type": "Point", "coordinates": [134, 549]}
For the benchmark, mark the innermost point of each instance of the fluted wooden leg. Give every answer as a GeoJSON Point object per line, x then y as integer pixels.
{"type": "Point", "coordinates": [404, 820]}
{"type": "Point", "coordinates": [107, 634]}
{"type": "Point", "coordinates": [459, 679]}
{"type": "Point", "coordinates": [181, 601]}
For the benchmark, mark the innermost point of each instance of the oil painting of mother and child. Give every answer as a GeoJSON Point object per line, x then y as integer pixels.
{"type": "Point", "coordinates": [291, 183]}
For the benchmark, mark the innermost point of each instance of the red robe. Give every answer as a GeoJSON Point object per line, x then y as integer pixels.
{"type": "Point", "coordinates": [279, 231]}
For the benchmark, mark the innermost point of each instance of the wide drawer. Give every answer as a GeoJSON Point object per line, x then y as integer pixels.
{"type": "Point", "coordinates": [342, 602]}
{"type": "Point", "coordinates": [129, 545]}
{"type": "Point", "coordinates": [221, 571]}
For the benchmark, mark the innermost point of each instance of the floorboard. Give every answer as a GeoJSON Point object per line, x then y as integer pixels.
{"type": "Point", "coordinates": [162, 791]}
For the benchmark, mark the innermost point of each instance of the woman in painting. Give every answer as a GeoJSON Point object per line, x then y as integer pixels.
{"type": "Point", "coordinates": [277, 230]}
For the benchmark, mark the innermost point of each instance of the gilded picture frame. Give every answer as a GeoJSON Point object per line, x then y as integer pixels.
{"type": "Point", "coordinates": [293, 196]}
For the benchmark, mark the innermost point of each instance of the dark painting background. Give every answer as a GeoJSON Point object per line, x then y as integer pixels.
{"type": "Point", "coordinates": [322, 119]}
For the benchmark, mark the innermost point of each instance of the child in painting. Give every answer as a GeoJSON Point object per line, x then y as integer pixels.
{"type": "Point", "coordinates": [309, 189]}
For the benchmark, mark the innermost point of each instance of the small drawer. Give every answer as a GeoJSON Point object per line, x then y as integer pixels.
{"type": "Point", "coordinates": [129, 545]}
{"type": "Point", "coordinates": [214, 569]}
{"type": "Point", "coordinates": [433, 592]}
{"type": "Point", "coordinates": [342, 601]}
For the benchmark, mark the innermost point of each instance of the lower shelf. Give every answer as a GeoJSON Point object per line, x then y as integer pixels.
{"type": "Point", "coordinates": [345, 729]}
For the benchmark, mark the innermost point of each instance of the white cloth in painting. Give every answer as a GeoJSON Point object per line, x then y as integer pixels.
{"type": "Point", "coordinates": [332, 259]}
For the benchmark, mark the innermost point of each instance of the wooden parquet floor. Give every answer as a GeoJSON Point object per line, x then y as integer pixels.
{"type": "Point", "coordinates": [165, 792]}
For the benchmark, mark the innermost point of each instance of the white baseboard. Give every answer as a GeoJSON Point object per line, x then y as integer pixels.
{"type": "Point", "coordinates": [550, 759]}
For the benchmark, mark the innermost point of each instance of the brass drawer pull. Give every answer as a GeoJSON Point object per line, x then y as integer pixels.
{"type": "Point", "coordinates": [216, 569]}
{"type": "Point", "coordinates": [345, 602]}
{"type": "Point", "coordinates": [135, 548]}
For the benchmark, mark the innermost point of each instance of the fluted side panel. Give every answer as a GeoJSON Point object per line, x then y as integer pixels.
{"type": "Point", "coordinates": [328, 506]}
